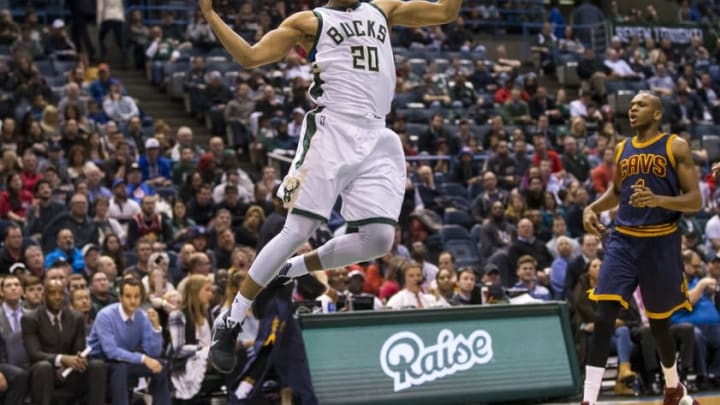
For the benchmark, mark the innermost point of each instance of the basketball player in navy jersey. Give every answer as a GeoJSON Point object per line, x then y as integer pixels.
{"type": "Point", "coordinates": [654, 183]}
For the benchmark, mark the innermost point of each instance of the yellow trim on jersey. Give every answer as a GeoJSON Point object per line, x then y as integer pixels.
{"type": "Point", "coordinates": [620, 149]}
{"type": "Point", "coordinates": [668, 149]}
{"type": "Point", "coordinates": [647, 143]}
{"type": "Point", "coordinates": [607, 297]}
{"type": "Point", "coordinates": [663, 315]}
{"type": "Point", "coordinates": [647, 231]}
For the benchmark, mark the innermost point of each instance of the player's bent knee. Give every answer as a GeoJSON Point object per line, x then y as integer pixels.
{"type": "Point", "coordinates": [377, 239]}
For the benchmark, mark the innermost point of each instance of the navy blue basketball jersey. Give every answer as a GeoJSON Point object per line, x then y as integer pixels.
{"type": "Point", "coordinates": [652, 164]}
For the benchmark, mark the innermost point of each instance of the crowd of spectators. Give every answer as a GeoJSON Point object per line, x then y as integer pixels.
{"type": "Point", "coordinates": [126, 233]}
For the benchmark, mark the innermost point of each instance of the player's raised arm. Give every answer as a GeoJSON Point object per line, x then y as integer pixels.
{"type": "Point", "coordinates": [419, 13]}
{"type": "Point", "coordinates": [272, 47]}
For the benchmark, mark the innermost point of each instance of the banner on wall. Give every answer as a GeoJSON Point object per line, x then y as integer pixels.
{"type": "Point", "coordinates": [678, 34]}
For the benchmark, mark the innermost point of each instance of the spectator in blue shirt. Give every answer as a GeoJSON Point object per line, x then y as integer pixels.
{"type": "Point", "coordinates": [66, 251]}
{"type": "Point", "coordinates": [119, 330]}
{"type": "Point", "coordinates": [704, 315]}
{"type": "Point", "coordinates": [101, 86]}
{"type": "Point", "coordinates": [559, 266]}
{"type": "Point", "coordinates": [155, 168]}
{"type": "Point", "coordinates": [527, 279]}
{"type": "Point", "coordinates": [136, 187]}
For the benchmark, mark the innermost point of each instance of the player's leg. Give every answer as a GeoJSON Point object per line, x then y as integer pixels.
{"type": "Point", "coordinates": [310, 189]}
{"type": "Point", "coordinates": [371, 204]}
{"type": "Point", "coordinates": [226, 327]}
{"type": "Point", "coordinates": [662, 296]}
{"type": "Point", "coordinates": [616, 283]}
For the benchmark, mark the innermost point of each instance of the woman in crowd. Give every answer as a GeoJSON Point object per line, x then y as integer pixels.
{"type": "Point", "coordinates": [97, 149]}
{"type": "Point", "coordinates": [76, 162]}
{"type": "Point", "coordinates": [189, 328]}
{"type": "Point", "coordinates": [248, 233]}
{"type": "Point", "coordinates": [180, 223]}
{"type": "Point", "coordinates": [445, 287]}
{"type": "Point", "coordinates": [14, 201]}
{"type": "Point", "coordinates": [112, 247]}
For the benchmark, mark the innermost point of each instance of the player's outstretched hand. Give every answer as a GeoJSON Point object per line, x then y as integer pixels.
{"type": "Point", "coordinates": [592, 224]}
{"type": "Point", "coordinates": [205, 5]}
{"type": "Point", "coordinates": [643, 197]}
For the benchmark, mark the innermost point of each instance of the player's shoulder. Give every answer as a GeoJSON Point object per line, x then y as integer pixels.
{"type": "Point", "coordinates": [305, 20]}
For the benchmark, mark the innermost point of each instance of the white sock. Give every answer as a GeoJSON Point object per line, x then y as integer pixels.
{"type": "Point", "coordinates": [671, 376]}
{"type": "Point", "coordinates": [239, 308]}
{"type": "Point", "coordinates": [243, 390]}
{"type": "Point", "coordinates": [297, 267]}
{"type": "Point", "coordinates": [593, 382]}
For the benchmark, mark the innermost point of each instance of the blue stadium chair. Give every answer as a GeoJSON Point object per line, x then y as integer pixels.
{"type": "Point", "coordinates": [45, 67]}
{"type": "Point", "coordinates": [130, 258]}
{"type": "Point", "coordinates": [62, 67]}
{"type": "Point", "coordinates": [415, 128]}
{"type": "Point", "coordinates": [457, 240]}
{"type": "Point", "coordinates": [453, 189]}
{"type": "Point", "coordinates": [476, 189]}
{"type": "Point", "coordinates": [439, 178]}
{"type": "Point", "coordinates": [711, 143]}
{"type": "Point", "coordinates": [167, 193]}
{"type": "Point", "coordinates": [5, 50]}
{"type": "Point", "coordinates": [418, 66]}
{"type": "Point", "coordinates": [457, 217]}
{"type": "Point", "coordinates": [403, 99]}
{"type": "Point", "coordinates": [475, 236]}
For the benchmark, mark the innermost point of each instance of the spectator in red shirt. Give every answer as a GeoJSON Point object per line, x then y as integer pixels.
{"type": "Point", "coordinates": [542, 152]}
{"type": "Point", "coordinates": [29, 173]}
{"type": "Point", "coordinates": [602, 174]}
{"type": "Point", "coordinates": [14, 201]}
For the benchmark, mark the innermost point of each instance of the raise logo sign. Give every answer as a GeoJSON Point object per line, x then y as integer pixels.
{"type": "Point", "coordinates": [405, 358]}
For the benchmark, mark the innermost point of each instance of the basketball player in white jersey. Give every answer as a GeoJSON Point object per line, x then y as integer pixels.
{"type": "Point", "coordinates": [345, 149]}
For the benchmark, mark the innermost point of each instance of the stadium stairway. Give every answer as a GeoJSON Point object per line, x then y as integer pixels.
{"type": "Point", "coordinates": [158, 105]}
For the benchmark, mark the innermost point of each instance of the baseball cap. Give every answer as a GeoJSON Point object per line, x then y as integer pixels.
{"type": "Point", "coordinates": [117, 182]}
{"type": "Point", "coordinates": [491, 268]}
{"type": "Point", "coordinates": [713, 256]}
{"type": "Point", "coordinates": [134, 166]}
{"type": "Point", "coordinates": [58, 24]}
{"type": "Point", "coordinates": [356, 273]}
{"type": "Point", "coordinates": [199, 231]}
{"type": "Point", "coordinates": [55, 147]}
{"type": "Point", "coordinates": [152, 143]}
{"type": "Point", "coordinates": [87, 248]}
{"type": "Point", "coordinates": [298, 110]}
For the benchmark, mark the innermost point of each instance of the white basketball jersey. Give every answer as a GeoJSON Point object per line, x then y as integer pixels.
{"type": "Point", "coordinates": [352, 61]}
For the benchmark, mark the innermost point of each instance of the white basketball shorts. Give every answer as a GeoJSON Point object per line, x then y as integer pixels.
{"type": "Point", "coordinates": [356, 158]}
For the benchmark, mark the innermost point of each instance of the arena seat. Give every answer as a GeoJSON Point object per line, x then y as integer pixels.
{"type": "Point", "coordinates": [457, 217]}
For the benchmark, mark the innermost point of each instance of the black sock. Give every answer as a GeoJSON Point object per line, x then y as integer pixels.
{"type": "Point", "coordinates": [664, 341]}
{"type": "Point", "coordinates": [605, 317]}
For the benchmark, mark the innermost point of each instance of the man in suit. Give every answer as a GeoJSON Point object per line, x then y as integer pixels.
{"type": "Point", "coordinates": [13, 380]}
{"type": "Point", "coordinates": [589, 249]}
{"type": "Point", "coordinates": [11, 314]}
{"type": "Point", "coordinates": [54, 337]}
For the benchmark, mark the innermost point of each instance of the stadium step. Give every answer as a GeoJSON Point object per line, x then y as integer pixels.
{"type": "Point", "coordinates": [158, 105]}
